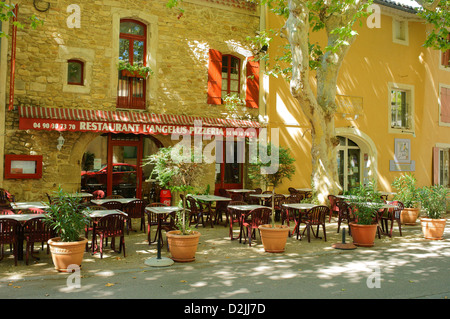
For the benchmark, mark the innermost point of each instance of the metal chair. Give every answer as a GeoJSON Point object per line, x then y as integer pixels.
{"type": "Point", "coordinates": [113, 204]}
{"type": "Point", "coordinates": [8, 235]}
{"type": "Point", "coordinates": [392, 216]}
{"type": "Point", "coordinates": [344, 214]}
{"type": "Point", "coordinates": [251, 221]}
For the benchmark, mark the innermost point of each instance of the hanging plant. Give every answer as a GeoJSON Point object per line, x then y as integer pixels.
{"type": "Point", "coordinates": [134, 70]}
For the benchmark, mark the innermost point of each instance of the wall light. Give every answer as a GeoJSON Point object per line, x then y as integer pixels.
{"type": "Point", "coordinates": [61, 141]}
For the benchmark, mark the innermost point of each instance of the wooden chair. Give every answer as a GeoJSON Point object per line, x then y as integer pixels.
{"type": "Point", "coordinates": [36, 231]}
{"type": "Point", "coordinates": [110, 226]}
{"type": "Point", "coordinates": [333, 207]}
{"type": "Point", "coordinates": [8, 235]}
{"type": "Point", "coordinates": [233, 215]}
{"type": "Point", "coordinates": [198, 211]}
{"type": "Point", "coordinates": [316, 217]}
{"type": "Point", "coordinates": [135, 209]}
{"type": "Point", "coordinates": [251, 221]}
{"type": "Point", "coordinates": [292, 190]}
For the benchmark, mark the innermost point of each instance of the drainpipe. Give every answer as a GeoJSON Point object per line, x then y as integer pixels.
{"type": "Point", "coordinates": [13, 59]}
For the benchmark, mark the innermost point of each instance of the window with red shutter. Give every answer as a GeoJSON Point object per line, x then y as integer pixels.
{"type": "Point", "coordinates": [445, 59]}
{"type": "Point", "coordinates": [445, 105]}
{"type": "Point", "coordinates": [215, 77]}
{"type": "Point", "coordinates": [252, 92]}
{"type": "Point", "coordinates": [224, 78]}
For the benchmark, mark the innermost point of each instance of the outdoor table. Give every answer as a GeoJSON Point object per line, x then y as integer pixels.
{"type": "Point", "coordinates": [242, 209]}
{"type": "Point", "coordinates": [209, 199]}
{"type": "Point", "coordinates": [27, 205]}
{"type": "Point", "coordinates": [161, 212]}
{"type": "Point", "coordinates": [240, 190]}
{"type": "Point", "coordinates": [21, 218]}
{"type": "Point", "coordinates": [120, 200]}
{"type": "Point", "coordinates": [84, 196]}
{"type": "Point", "coordinates": [299, 208]}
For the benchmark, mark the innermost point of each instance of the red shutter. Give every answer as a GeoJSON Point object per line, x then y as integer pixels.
{"type": "Point", "coordinates": [436, 165]}
{"type": "Point", "coordinates": [445, 105]}
{"type": "Point", "coordinates": [252, 93]}
{"type": "Point", "coordinates": [446, 58]}
{"type": "Point", "coordinates": [215, 77]}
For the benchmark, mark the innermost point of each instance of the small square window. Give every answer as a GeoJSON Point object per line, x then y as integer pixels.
{"type": "Point", "coordinates": [400, 31]}
{"type": "Point", "coordinates": [75, 72]}
{"type": "Point", "coordinates": [401, 108]}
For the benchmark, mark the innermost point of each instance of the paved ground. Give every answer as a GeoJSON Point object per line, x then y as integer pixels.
{"type": "Point", "coordinates": [399, 267]}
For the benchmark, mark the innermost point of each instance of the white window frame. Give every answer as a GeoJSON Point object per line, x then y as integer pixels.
{"type": "Point", "coordinates": [442, 148]}
{"type": "Point", "coordinates": [439, 114]}
{"type": "Point", "coordinates": [409, 89]}
{"type": "Point", "coordinates": [396, 22]}
{"type": "Point", "coordinates": [441, 66]}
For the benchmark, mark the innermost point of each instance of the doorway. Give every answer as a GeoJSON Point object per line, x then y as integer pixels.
{"type": "Point", "coordinates": [113, 163]}
{"type": "Point", "coordinates": [229, 165]}
{"type": "Point", "coordinates": [349, 163]}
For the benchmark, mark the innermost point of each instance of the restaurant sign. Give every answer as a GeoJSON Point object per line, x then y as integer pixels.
{"type": "Point", "coordinates": [131, 128]}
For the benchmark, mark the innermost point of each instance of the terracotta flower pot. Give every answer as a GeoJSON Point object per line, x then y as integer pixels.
{"type": "Point", "coordinates": [65, 254]}
{"type": "Point", "coordinates": [183, 247]}
{"type": "Point", "coordinates": [363, 235]}
{"type": "Point", "coordinates": [274, 239]}
{"type": "Point", "coordinates": [408, 216]}
{"type": "Point", "coordinates": [433, 228]}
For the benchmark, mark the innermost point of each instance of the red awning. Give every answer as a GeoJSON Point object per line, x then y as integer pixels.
{"type": "Point", "coordinates": [82, 120]}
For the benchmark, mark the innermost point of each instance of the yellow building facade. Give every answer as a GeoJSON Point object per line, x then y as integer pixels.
{"type": "Point", "coordinates": [392, 107]}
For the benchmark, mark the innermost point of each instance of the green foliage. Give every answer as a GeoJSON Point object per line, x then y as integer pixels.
{"type": "Point", "coordinates": [434, 200]}
{"type": "Point", "coordinates": [67, 216]}
{"type": "Point", "coordinates": [175, 170]}
{"type": "Point", "coordinates": [143, 71]}
{"type": "Point", "coordinates": [7, 13]}
{"type": "Point", "coordinates": [366, 201]}
{"type": "Point", "coordinates": [407, 191]}
{"type": "Point", "coordinates": [439, 19]}
{"type": "Point", "coordinates": [286, 167]}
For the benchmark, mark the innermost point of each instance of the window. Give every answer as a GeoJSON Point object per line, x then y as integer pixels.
{"type": "Point", "coordinates": [132, 50]}
{"type": "Point", "coordinates": [75, 72]}
{"type": "Point", "coordinates": [231, 72]}
{"type": "Point", "coordinates": [444, 105]}
{"type": "Point", "coordinates": [400, 31]}
{"type": "Point", "coordinates": [224, 77]}
{"type": "Point", "coordinates": [401, 108]}
{"type": "Point", "coordinates": [441, 166]}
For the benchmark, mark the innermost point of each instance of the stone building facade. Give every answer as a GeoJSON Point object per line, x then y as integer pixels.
{"type": "Point", "coordinates": [89, 33]}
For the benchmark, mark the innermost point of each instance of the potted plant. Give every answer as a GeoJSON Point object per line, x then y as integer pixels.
{"type": "Point", "coordinates": [408, 194]}
{"type": "Point", "coordinates": [273, 236]}
{"type": "Point", "coordinates": [365, 203]}
{"type": "Point", "coordinates": [68, 219]}
{"type": "Point", "coordinates": [177, 172]}
{"type": "Point", "coordinates": [434, 202]}
{"type": "Point", "coordinates": [134, 70]}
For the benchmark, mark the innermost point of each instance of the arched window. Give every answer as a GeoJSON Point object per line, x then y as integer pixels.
{"type": "Point", "coordinates": [75, 72]}
{"type": "Point", "coordinates": [132, 50]}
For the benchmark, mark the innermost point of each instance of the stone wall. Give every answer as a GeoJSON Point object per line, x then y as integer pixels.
{"type": "Point", "coordinates": [177, 52]}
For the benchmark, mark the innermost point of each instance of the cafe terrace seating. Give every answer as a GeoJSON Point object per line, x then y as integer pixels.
{"type": "Point", "coordinates": [110, 226]}
{"type": "Point", "coordinates": [6, 198]}
{"type": "Point", "coordinates": [392, 216]}
{"type": "Point", "coordinates": [167, 223]}
{"type": "Point", "coordinates": [8, 235]}
{"type": "Point", "coordinates": [344, 213]}
{"type": "Point", "coordinates": [316, 217]}
{"type": "Point", "coordinates": [36, 231]}
{"type": "Point", "coordinates": [114, 197]}
{"type": "Point", "coordinates": [135, 209]}
{"type": "Point", "coordinates": [251, 221]}
{"type": "Point", "coordinates": [198, 211]}
{"type": "Point", "coordinates": [233, 215]}
{"type": "Point", "coordinates": [333, 207]}
{"type": "Point", "coordinates": [112, 204]}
